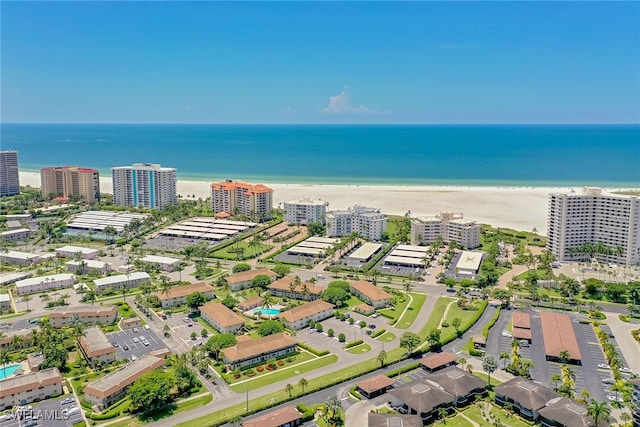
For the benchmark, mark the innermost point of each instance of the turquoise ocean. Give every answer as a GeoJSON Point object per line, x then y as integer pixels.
{"type": "Point", "coordinates": [482, 155]}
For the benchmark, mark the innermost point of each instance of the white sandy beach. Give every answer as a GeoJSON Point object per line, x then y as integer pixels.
{"type": "Point", "coordinates": [520, 208]}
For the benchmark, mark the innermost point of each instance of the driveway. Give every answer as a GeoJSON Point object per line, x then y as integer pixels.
{"type": "Point", "coordinates": [125, 339]}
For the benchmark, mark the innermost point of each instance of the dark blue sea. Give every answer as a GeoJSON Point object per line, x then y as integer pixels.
{"type": "Point", "coordinates": [484, 155]}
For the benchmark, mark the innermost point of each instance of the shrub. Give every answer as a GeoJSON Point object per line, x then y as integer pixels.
{"type": "Point", "coordinates": [353, 343]}
{"type": "Point", "coordinates": [362, 324]}
{"type": "Point", "coordinates": [342, 337]}
{"type": "Point", "coordinates": [330, 332]}
{"type": "Point", "coordinates": [319, 327]}
{"type": "Point", "coordinates": [260, 368]}
{"type": "Point", "coordinates": [352, 320]}
{"type": "Point", "coordinates": [378, 333]}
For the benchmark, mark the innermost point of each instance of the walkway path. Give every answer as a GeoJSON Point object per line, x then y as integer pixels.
{"type": "Point", "coordinates": [509, 275]}
{"type": "Point", "coordinates": [628, 345]}
{"type": "Point", "coordinates": [444, 315]}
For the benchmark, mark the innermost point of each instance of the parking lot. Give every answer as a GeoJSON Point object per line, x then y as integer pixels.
{"type": "Point", "coordinates": [129, 339]}
{"type": "Point", "coordinates": [59, 412]}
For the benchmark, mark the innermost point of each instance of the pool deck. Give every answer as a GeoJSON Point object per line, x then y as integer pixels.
{"type": "Point", "coordinates": [23, 366]}
{"type": "Point", "coordinates": [253, 313]}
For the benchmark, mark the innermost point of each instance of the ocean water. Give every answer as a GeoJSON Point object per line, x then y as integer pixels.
{"type": "Point", "coordinates": [485, 155]}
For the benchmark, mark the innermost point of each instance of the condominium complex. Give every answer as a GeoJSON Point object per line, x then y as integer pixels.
{"type": "Point", "coordinates": [447, 225]}
{"type": "Point", "coordinates": [368, 222]}
{"type": "Point", "coordinates": [70, 181]}
{"type": "Point", "coordinates": [305, 211]}
{"type": "Point", "coordinates": [593, 217]}
{"type": "Point", "coordinates": [239, 198]}
{"type": "Point", "coordinates": [9, 180]}
{"type": "Point", "coordinates": [143, 184]}
{"type": "Point", "coordinates": [32, 387]}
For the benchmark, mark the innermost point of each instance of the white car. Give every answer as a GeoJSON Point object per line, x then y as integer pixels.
{"type": "Point", "coordinates": [603, 366]}
{"type": "Point", "coordinates": [626, 370]}
{"type": "Point", "coordinates": [507, 334]}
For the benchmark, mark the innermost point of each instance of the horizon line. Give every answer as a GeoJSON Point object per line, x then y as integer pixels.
{"type": "Point", "coordinates": [334, 123]}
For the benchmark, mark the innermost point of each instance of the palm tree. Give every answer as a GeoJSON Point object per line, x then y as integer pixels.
{"type": "Point", "coordinates": [289, 389]}
{"type": "Point", "coordinates": [382, 357]}
{"type": "Point", "coordinates": [267, 301]}
{"type": "Point", "coordinates": [90, 295]}
{"type": "Point", "coordinates": [564, 356]}
{"type": "Point", "coordinates": [124, 291]}
{"type": "Point", "coordinates": [303, 383]}
{"type": "Point", "coordinates": [599, 411]}
{"type": "Point", "coordinates": [165, 285]}
{"type": "Point", "coordinates": [556, 378]}
{"type": "Point", "coordinates": [489, 365]}
{"type": "Point", "coordinates": [505, 358]}
{"type": "Point", "coordinates": [4, 358]}
{"type": "Point", "coordinates": [333, 407]}
{"type": "Point", "coordinates": [236, 421]}
{"type": "Point", "coordinates": [407, 286]}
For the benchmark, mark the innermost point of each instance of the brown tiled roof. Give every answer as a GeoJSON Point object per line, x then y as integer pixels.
{"type": "Point", "coordinates": [117, 380]}
{"type": "Point", "coordinates": [528, 394]}
{"type": "Point", "coordinates": [376, 383]}
{"type": "Point", "coordinates": [365, 308]}
{"type": "Point", "coordinates": [250, 303]}
{"type": "Point", "coordinates": [221, 314]}
{"type": "Point", "coordinates": [370, 290]}
{"type": "Point", "coordinates": [305, 310]}
{"type": "Point", "coordinates": [247, 349]}
{"type": "Point", "coordinates": [31, 381]}
{"type": "Point", "coordinates": [243, 276]}
{"type": "Point", "coordinates": [438, 360]}
{"type": "Point", "coordinates": [479, 339]}
{"type": "Point", "coordinates": [284, 284]}
{"type": "Point", "coordinates": [183, 291]}
{"type": "Point", "coordinates": [521, 334]}
{"type": "Point", "coordinates": [521, 320]}
{"type": "Point", "coordinates": [277, 418]}
{"type": "Point", "coordinates": [95, 343]}
{"type": "Point", "coordinates": [84, 311]}
{"type": "Point", "coordinates": [558, 335]}
{"type": "Point", "coordinates": [393, 420]}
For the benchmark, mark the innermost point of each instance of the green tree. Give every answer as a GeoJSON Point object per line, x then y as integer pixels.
{"type": "Point", "coordinates": [261, 281]}
{"type": "Point", "coordinates": [489, 365]}
{"type": "Point", "coordinates": [382, 357]}
{"type": "Point", "coordinates": [229, 302]}
{"type": "Point", "coordinates": [243, 266]}
{"type": "Point", "coordinates": [219, 342]}
{"type": "Point", "coordinates": [505, 357]}
{"type": "Point", "coordinates": [434, 338]}
{"type": "Point", "coordinates": [316, 229]}
{"type": "Point", "coordinates": [270, 327]}
{"type": "Point", "coordinates": [281, 270]}
{"type": "Point", "coordinates": [409, 341]}
{"type": "Point", "coordinates": [599, 411]}
{"type": "Point", "coordinates": [289, 389]}
{"type": "Point", "coordinates": [456, 322]}
{"type": "Point", "coordinates": [151, 391]}
{"type": "Point", "coordinates": [196, 300]}
{"type": "Point", "coordinates": [303, 383]}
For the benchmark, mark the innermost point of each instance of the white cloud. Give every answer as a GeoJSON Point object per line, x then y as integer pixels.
{"type": "Point", "coordinates": [340, 104]}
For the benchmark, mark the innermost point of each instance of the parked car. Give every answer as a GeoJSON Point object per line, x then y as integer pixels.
{"type": "Point", "coordinates": [135, 339]}
{"type": "Point", "coordinates": [625, 370]}
{"type": "Point", "coordinates": [135, 330]}
{"type": "Point", "coordinates": [125, 348]}
{"type": "Point", "coordinates": [147, 327]}
{"type": "Point", "coordinates": [115, 344]}
{"type": "Point", "coordinates": [609, 381]}
{"type": "Point", "coordinates": [507, 334]}
{"type": "Point", "coordinates": [603, 366]}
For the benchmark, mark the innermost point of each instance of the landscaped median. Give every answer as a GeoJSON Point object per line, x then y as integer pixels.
{"type": "Point", "coordinates": [409, 316]}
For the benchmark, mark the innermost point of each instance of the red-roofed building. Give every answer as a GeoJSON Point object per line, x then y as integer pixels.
{"type": "Point", "coordinates": [234, 197]}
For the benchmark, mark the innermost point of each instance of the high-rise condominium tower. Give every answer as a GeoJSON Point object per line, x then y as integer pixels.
{"type": "Point", "coordinates": [144, 185]}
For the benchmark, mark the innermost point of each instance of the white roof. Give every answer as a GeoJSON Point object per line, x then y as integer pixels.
{"type": "Point", "coordinates": [469, 261]}
{"type": "Point", "coordinates": [304, 251]}
{"type": "Point", "coordinates": [13, 277]}
{"type": "Point", "coordinates": [91, 263]}
{"type": "Point", "coordinates": [413, 248]}
{"type": "Point", "coordinates": [19, 255]}
{"type": "Point", "coordinates": [366, 251]}
{"type": "Point", "coordinates": [120, 278]}
{"type": "Point", "coordinates": [415, 262]}
{"type": "Point", "coordinates": [17, 231]}
{"type": "Point", "coordinates": [329, 240]}
{"type": "Point", "coordinates": [51, 278]}
{"type": "Point", "coordinates": [159, 259]}
{"type": "Point", "coordinates": [4, 297]}
{"type": "Point", "coordinates": [408, 254]}
{"type": "Point", "coordinates": [307, 244]}
{"type": "Point", "coordinates": [76, 249]}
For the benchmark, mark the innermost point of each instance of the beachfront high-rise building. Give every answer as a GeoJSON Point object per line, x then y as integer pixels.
{"type": "Point", "coordinates": [240, 198]}
{"type": "Point", "coordinates": [69, 181]}
{"type": "Point", "coordinates": [9, 178]}
{"type": "Point", "coordinates": [448, 225]}
{"type": "Point", "coordinates": [368, 222]}
{"type": "Point", "coordinates": [305, 211]}
{"type": "Point", "coordinates": [594, 217]}
{"type": "Point", "coordinates": [143, 184]}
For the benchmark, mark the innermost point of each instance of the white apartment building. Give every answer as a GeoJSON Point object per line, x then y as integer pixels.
{"type": "Point", "coordinates": [144, 184]}
{"type": "Point", "coordinates": [85, 314]}
{"type": "Point", "coordinates": [19, 258]}
{"type": "Point", "coordinates": [368, 222]}
{"type": "Point", "coordinates": [88, 266]}
{"type": "Point", "coordinates": [448, 225]}
{"type": "Point", "coordinates": [15, 235]}
{"type": "Point", "coordinates": [45, 283]}
{"type": "Point", "coordinates": [66, 181]}
{"type": "Point", "coordinates": [9, 177]}
{"type": "Point", "coordinates": [234, 197]}
{"type": "Point", "coordinates": [592, 217]}
{"type": "Point", "coordinates": [305, 211]}
{"type": "Point", "coordinates": [130, 280]}
{"type": "Point", "coordinates": [35, 386]}
{"type": "Point", "coordinates": [73, 251]}
{"type": "Point", "coordinates": [162, 262]}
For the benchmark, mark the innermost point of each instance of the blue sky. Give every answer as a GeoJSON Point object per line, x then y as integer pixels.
{"type": "Point", "coordinates": [359, 62]}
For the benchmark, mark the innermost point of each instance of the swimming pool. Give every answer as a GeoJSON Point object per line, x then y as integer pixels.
{"type": "Point", "coordinates": [7, 371]}
{"type": "Point", "coordinates": [266, 311]}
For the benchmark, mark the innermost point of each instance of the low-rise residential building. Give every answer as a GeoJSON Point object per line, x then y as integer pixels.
{"type": "Point", "coordinates": [10, 278]}
{"type": "Point", "coordinates": [35, 360]}
{"type": "Point", "coordinates": [18, 339]}
{"type": "Point", "coordinates": [250, 303]}
{"type": "Point", "coordinates": [162, 262]}
{"type": "Point", "coordinates": [438, 361]}
{"type": "Point", "coordinates": [178, 295]}
{"type": "Point", "coordinates": [368, 222]}
{"type": "Point", "coordinates": [525, 397]}
{"type": "Point", "coordinates": [252, 352]}
{"type": "Point", "coordinates": [286, 416]}
{"type": "Point", "coordinates": [129, 280]}
{"type": "Point", "coordinates": [244, 279]}
{"type": "Point", "coordinates": [5, 302]}
{"type": "Point", "coordinates": [370, 293]}
{"type": "Point", "coordinates": [45, 283]}
{"type": "Point", "coordinates": [113, 387]}
{"type": "Point", "coordinates": [130, 323]}
{"type": "Point", "coordinates": [447, 225]}
{"type": "Point", "coordinates": [88, 266]}
{"type": "Point", "coordinates": [17, 235]}
{"type": "Point", "coordinates": [305, 211]}
{"type": "Point", "coordinates": [85, 314]}
{"type": "Point", "coordinates": [35, 386]}
{"type": "Point", "coordinates": [299, 317]}
{"type": "Point", "coordinates": [424, 399]}
{"type": "Point", "coordinates": [19, 258]}
{"type": "Point", "coordinates": [460, 384]}
{"type": "Point", "coordinates": [564, 412]}
{"type": "Point", "coordinates": [375, 386]}
{"type": "Point", "coordinates": [95, 346]}
{"type": "Point", "coordinates": [393, 420]}
{"type": "Point", "coordinates": [287, 287]}
{"type": "Point", "coordinates": [223, 319]}
{"type": "Point", "coordinates": [73, 251]}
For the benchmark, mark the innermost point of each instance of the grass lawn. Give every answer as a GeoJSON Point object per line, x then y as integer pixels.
{"type": "Point", "coordinates": [126, 312]}
{"type": "Point", "coordinates": [386, 337]}
{"type": "Point", "coordinates": [395, 311]}
{"type": "Point", "coordinates": [459, 421]}
{"type": "Point", "coordinates": [435, 317]}
{"type": "Point", "coordinates": [303, 356]}
{"type": "Point", "coordinates": [359, 349]}
{"type": "Point", "coordinates": [352, 302]}
{"type": "Point", "coordinates": [182, 406]}
{"type": "Point", "coordinates": [412, 311]}
{"type": "Point", "coordinates": [505, 417]}
{"type": "Point", "coordinates": [483, 376]}
{"type": "Point", "coordinates": [465, 315]}
{"type": "Point", "coordinates": [249, 252]}
{"type": "Point", "coordinates": [283, 373]}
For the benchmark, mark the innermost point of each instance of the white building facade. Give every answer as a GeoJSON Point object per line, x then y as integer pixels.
{"type": "Point", "coordinates": [368, 222]}
{"type": "Point", "coordinates": [305, 211]}
{"type": "Point", "coordinates": [144, 184]}
{"type": "Point", "coordinates": [448, 225]}
{"type": "Point", "coordinates": [45, 283]}
{"type": "Point", "coordinates": [594, 217]}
